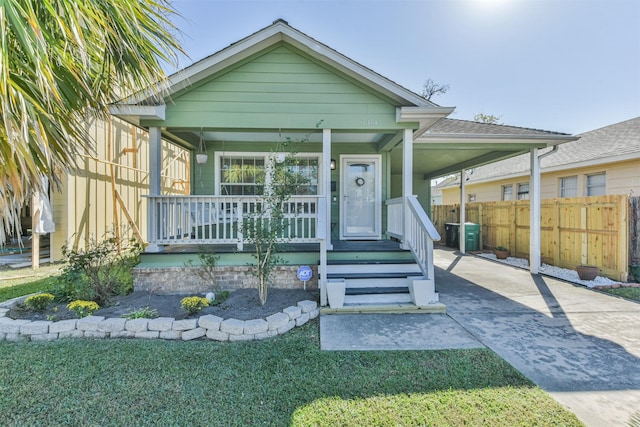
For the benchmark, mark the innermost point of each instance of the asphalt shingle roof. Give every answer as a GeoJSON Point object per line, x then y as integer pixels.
{"type": "Point", "coordinates": [466, 127]}
{"type": "Point", "coordinates": [614, 140]}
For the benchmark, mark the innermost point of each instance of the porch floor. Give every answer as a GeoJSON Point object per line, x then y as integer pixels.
{"type": "Point", "coordinates": [338, 246]}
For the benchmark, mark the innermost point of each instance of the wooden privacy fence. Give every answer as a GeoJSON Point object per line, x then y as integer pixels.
{"type": "Point", "coordinates": [581, 230]}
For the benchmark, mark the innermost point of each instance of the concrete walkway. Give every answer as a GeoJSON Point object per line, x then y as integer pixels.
{"type": "Point", "coordinates": [581, 346]}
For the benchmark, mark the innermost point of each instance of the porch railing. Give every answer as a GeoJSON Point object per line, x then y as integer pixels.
{"type": "Point", "coordinates": [420, 230]}
{"type": "Point", "coordinates": [175, 220]}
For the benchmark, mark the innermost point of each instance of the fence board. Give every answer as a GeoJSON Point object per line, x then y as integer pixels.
{"type": "Point", "coordinates": [580, 230]}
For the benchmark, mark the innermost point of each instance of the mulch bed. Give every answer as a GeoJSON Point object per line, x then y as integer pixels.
{"type": "Point", "coordinates": [242, 304]}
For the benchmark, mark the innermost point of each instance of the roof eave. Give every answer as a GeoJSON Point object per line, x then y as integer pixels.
{"type": "Point", "coordinates": [547, 140]}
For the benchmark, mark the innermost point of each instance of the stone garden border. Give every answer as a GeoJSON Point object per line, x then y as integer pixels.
{"type": "Point", "coordinates": [206, 327]}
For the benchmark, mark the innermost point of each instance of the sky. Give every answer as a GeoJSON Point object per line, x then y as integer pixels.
{"type": "Point", "coordinates": [563, 65]}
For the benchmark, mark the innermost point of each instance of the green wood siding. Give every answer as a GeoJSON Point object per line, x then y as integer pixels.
{"type": "Point", "coordinates": [281, 88]}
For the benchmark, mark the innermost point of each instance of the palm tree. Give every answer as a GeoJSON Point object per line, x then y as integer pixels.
{"type": "Point", "coordinates": [61, 63]}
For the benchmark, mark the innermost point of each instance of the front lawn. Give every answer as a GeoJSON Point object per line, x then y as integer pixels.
{"type": "Point", "coordinates": [281, 381]}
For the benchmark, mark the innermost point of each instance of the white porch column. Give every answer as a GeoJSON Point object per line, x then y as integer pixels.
{"type": "Point", "coordinates": [463, 213]}
{"type": "Point", "coordinates": [407, 181]}
{"type": "Point", "coordinates": [325, 241]}
{"type": "Point", "coordinates": [326, 166]}
{"type": "Point", "coordinates": [534, 210]}
{"type": "Point", "coordinates": [155, 184]}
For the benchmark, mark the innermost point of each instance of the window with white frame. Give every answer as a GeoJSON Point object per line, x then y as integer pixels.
{"type": "Point", "coordinates": [596, 184]}
{"type": "Point", "coordinates": [507, 192]}
{"type": "Point", "coordinates": [244, 174]}
{"type": "Point", "coordinates": [523, 191]}
{"type": "Point", "coordinates": [569, 186]}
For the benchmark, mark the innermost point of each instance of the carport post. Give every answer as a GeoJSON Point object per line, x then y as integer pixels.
{"type": "Point", "coordinates": [463, 214]}
{"type": "Point", "coordinates": [534, 211]}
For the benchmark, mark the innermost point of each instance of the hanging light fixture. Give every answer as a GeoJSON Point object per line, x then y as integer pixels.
{"type": "Point", "coordinates": [202, 156]}
{"type": "Point", "coordinates": [332, 165]}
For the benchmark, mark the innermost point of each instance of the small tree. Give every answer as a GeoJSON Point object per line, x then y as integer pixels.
{"type": "Point", "coordinates": [265, 226]}
{"type": "Point", "coordinates": [431, 89]}
{"type": "Point", "coordinates": [487, 118]}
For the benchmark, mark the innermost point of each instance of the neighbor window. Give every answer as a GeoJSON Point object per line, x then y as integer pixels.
{"type": "Point", "coordinates": [569, 186]}
{"type": "Point", "coordinates": [245, 175]}
{"type": "Point", "coordinates": [507, 192]}
{"type": "Point", "coordinates": [472, 197]}
{"type": "Point", "coordinates": [596, 184]}
{"type": "Point", "coordinates": [523, 191]}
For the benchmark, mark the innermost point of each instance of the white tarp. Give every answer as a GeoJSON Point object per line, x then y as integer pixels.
{"type": "Point", "coordinates": [45, 223]}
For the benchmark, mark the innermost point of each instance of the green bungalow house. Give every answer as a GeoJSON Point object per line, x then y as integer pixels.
{"type": "Point", "coordinates": [359, 220]}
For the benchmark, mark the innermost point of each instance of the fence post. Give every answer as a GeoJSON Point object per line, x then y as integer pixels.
{"type": "Point", "coordinates": [556, 232]}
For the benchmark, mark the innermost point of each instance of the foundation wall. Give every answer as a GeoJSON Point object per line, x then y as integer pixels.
{"type": "Point", "coordinates": [185, 280]}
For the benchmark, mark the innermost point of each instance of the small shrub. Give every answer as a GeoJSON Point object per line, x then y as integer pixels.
{"type": "Point", "coordinates": [192, 305]}
{"type": "Point", "coordinates": [99, 271]}
{"type": "Point", "coordinates": [83, 308]}
{"type": "Point", "coordinates": [220, 298]}
{"type": "Point", "coordinates": [38, 302]}
{"type": "Point", "coordinates": [142, 313]}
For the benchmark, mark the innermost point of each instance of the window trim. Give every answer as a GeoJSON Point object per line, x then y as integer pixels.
{"type": "Point", "coordinates": [265, 154]}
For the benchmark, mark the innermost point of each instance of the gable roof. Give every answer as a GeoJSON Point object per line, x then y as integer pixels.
{"type": "Point", "coordinates": [279, 31]}
{"type": "Point", "coordinates": [604, 145]}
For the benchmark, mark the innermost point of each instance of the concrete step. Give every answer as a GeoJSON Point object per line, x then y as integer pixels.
{"type": "Point", "coordinates": [379, 299]}
{"type": "Point", "coordinates": [393, 282]}
{"type": "Point", "coordinates": [379, 290]}
{"type": "Point", "coordinates": [438, 308]}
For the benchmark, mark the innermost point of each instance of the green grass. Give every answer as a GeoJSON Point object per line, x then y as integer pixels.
{"type": "Point", "coordinates": [630, 293]}
{"type": "Point", "coordinates": [40, 285]}
{"type": "Point", "coordinates": [281, 381]}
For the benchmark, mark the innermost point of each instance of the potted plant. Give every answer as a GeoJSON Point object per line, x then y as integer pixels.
{"type": "Point", "coordinates": [501, 252]}
{"type": "Point", "coordinates": [587, 272]}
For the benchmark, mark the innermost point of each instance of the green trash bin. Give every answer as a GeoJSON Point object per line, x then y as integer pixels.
{"type": "Point", "coordinates": [472, 236]}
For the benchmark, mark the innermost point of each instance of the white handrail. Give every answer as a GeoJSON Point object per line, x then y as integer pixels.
{"type": "Point", "coordinates": [421, 231]}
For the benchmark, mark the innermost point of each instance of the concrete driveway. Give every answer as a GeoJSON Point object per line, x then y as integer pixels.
{"type": "Point", "coordinates": [581, 346]}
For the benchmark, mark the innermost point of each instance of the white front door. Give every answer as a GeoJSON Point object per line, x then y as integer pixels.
{"type": "Point", "coordinates": [361, 197]}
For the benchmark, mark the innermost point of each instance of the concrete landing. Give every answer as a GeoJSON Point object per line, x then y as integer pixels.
{"type": "Point", "coordinates": [392, 332]}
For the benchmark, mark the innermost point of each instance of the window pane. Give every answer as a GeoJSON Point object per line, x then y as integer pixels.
{"type": "Point", "coordinates": [569, 186]}
{"type": "Point", "coordinates": [242, 176]}
{"type": "Point", "coordinates": [523, 191]}
{"type": "Point", "coordinates": [302, 175]}
{"type": "Point", "coordinates": [246, 175]}
{"type": "Point", "coordinates": [507, 192]}
{"type": "Point", "coordinates": [596, 185]}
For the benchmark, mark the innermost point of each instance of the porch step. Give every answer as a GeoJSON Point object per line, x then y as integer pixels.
{"type": "Point", "coordinates": [369, 262]}
{"type": "Point", "coordinates": [365, 270]}
{"type": "Point", "coordinates": [378, 299]}
{"type": "Point", "coordinates": [375, 285]}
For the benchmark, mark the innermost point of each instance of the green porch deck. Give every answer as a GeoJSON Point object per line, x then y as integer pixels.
{"type": "Point", "coordinates": [293, 254]}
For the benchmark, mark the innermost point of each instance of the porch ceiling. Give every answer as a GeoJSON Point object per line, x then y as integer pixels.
{"type": "Point", "coordinates": [433, 157]}
{"type": "Point", "coordinates": [189, 138]}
